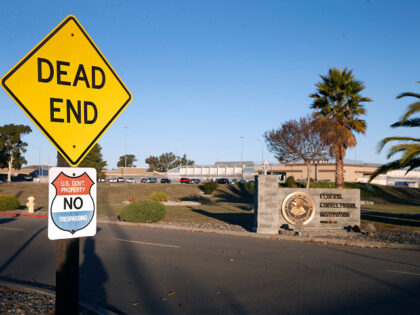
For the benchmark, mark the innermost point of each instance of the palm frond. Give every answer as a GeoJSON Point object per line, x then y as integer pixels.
{"type": "Point", "coordinates": [383, 169]}
{"type": "Point", "coordinates": [408, 94]}
{"type": "Point", "coordinates": [384, 141]}
{"type": "Point", "coordinates": [415, 122]}
{"type": "Point", "coordinates": [412, 109]}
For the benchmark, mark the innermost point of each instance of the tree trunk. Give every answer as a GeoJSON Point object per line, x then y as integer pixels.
{"type": "Point", "coordinates": [308, 170]}
{"type": "Point", "coordinates": [9, 172]}
{"type": "Point", "coordinates": [339, 169]}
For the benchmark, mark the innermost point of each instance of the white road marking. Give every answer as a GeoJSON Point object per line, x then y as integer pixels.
{"type": "Point", "coordinates": [405, 272]}
{"type": "Point", "coordinates": [10, 229]}
{"type": "Point", "coordinates": [145, 243]}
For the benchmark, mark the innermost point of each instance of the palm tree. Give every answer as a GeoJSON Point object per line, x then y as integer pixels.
{"type": "Point", "coordinates": [338, 101]}
{"type": "Point", "coordinates": [408, 146]}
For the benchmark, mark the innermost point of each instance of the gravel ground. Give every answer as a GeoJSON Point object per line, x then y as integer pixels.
{"type": "Point", "coordinates": [387, 236]}
{"type": "Point", "coordinates": [14, 301]}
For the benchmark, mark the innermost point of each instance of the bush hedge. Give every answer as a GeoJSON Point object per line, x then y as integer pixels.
{"type": "Point", "coordinates": [209, 187]}
{"type": "Point", "coordinates": [145, 211]}
{"type": "Point", "coordinates": [290, 182]}
{"type": "Point", "coordinates": [159, 196]}
{"type": "Point", "coordinates": [8, 202]}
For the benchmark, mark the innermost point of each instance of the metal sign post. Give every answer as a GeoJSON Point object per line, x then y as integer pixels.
{"type": "Point", "coordinates": [66, 270]}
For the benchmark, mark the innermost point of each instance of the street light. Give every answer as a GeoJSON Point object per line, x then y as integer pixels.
{"type": "Point", "coordinates": [262, 150]}
{"type": "Point", "coordinates": [242, 148]}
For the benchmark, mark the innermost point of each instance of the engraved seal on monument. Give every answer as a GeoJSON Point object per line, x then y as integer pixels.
{"type": "Point", "coordinates": [298, 207]}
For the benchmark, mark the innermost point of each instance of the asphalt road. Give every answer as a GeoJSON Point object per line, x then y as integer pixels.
{"type": "Point", "coordinates": [141, 270]}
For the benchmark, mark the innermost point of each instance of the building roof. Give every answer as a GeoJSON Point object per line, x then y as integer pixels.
{"type": "Point", "coordinates": [234, 163]}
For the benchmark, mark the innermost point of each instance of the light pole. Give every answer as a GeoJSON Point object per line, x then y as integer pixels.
{"type": "Point", "coordinates": [242, 148]}
{"type": "Point", "coordinates": [262, 150]}
{"type": "Point", "coordinates": [125, 154]}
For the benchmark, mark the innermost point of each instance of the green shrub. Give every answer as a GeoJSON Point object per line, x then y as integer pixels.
{"type": "Point", "coordinates": [290, 182]}
{"type": "Point", "coordinates": [8, 202]}
{"type": "Point", "coordinates": [145, 211]}
{"type": "Point", "coordinates": [159, 196]}
{"type": "Point", "coordinates": [209, 187]}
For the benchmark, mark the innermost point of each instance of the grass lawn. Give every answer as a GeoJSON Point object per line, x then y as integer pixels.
{"type": "Point", "coordinates": [393, 208]}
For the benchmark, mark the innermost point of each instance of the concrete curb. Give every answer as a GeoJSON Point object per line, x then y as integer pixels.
{"type": "Point", "coordinates": [317, 240]}
{"type": "Point", "coordinates": [40, 216]}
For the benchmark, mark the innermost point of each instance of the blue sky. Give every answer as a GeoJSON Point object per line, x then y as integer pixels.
{"type": "Point", "coordinates": [205, 73]}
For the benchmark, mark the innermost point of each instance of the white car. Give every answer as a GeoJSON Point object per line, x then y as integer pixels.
{"type": "Point", "coordinates": [112, 180]}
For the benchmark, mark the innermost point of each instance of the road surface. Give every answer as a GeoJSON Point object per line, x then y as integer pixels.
{"type": "Point", "coordinates": [155, 271]}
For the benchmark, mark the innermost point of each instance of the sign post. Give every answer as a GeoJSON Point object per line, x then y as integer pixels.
{"type": "Point", "coordinates": [72, 94]}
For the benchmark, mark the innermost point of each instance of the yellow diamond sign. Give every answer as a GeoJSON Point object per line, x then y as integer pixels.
{"type": "Point", "coordinates": [68, 89]}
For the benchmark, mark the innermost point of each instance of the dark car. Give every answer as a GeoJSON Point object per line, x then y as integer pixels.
{"type": "Point", "coordinates": [152, 180]}
{"type": "Point", "coordinates": [165, 181]}
{"type": "Point", "coordinates": [222, 181]}
{"type": "Point", "coordinates": [184, 180]}
{"type": "Point", "coordinates": [195, 181]}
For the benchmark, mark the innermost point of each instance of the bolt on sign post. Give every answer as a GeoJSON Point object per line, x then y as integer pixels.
{"type": "Point", "coordinates": [73, 95]}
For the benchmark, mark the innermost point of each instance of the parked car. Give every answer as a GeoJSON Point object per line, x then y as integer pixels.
{"type": "Point", "coordinates": [222, 181]}
{"type": "Point", "coordinates": [152, 180]}
{"type": "Point", "coordinates": [184, 180]}
{"type": "Point", "coordinates": [234, 181]}
{"type": "Point", "coordinates": [120, 179]}
{"type": "Point", "coordinates": [144, 180]}
{"type": "Point", "coordinates": [165, 180]}
{"type": "Point", "coordinates": [112, 180]}
{"type": "Point", "coordinates": [195, 181]}
{"type": "Point", "coordinates": [101, 180]}
{"type": "Point", "coordinates": [130, 180]}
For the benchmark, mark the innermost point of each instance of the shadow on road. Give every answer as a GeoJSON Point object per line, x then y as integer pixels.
{"type": "Point", "coordinates": [93, 277]}
{"type": "Point", "coordinates": [346, 251]}
{"type": "Point", "coordinates": [7, 220]}
{"type": "Point", "coordinates": [20, 250]}
{"type": "Point", "coordinates": [138, 272]}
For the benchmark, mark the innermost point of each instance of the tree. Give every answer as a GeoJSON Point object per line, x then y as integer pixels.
{"type": "Point", "coordinates": [339, 102]}
{"type": "Point", "coordinates": [153, 162]}
{"type": "Point", "coordinates": [94, 159]}
{"type": "Point", "coordinates": [167, 161]}
{"type": "Point", "coordinates": [408, 146]}
{"type": "Point", "coordinates": [12, 147]}
{"type": "Point", "coordinates": [298, 141]}
{"type": "Point", "coordinates": [127, 160]}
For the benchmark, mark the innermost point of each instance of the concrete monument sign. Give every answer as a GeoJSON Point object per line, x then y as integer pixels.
{"type": "Point", "coordinates": [313, 209]}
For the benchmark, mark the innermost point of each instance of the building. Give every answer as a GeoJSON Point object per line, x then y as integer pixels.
{"type": "Point", "coordinates": [132, 172]}
{"type": "Point", "coordinates": [353, 172]}
{"type": "Point", "coordinates": [232, 170]}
